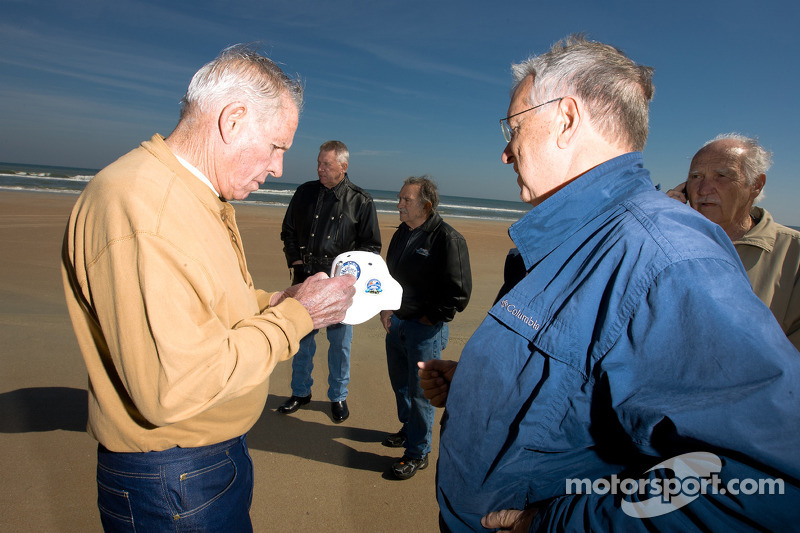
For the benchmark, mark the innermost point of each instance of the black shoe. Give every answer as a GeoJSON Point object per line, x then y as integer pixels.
{"type": "Point", "coordinates": [339, 411]}
{"type": "Point", "coordinates": [293, 404]}
{"type": "Point", "coordinates": [395, 440]}
{"type": "Point", "coordinates": [406, 467]}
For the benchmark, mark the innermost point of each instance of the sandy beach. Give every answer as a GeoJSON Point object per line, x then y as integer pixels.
{"type": "Point", "coordinates": [310, 474]}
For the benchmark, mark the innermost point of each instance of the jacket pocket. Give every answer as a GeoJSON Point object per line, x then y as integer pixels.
{"type": "Point", "coordinates": [551, 335]}
{"type": "Point", "coordinates": [552, 398]}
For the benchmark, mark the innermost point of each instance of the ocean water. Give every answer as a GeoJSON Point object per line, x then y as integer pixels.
{"type": "Point", "coordinates": [276, 193]}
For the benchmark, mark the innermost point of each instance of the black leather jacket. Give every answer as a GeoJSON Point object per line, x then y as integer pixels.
{"type": "Point", "coordinates": [431, 263]}
{"type": "Point", "coordinates": [321, 223]}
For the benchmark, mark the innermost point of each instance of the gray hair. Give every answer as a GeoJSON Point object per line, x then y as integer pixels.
{"type": "Point", "coordinates": [756, 159]}
{"type": "Point", "coordinates": [616, 90]}
{"type": "Point", "coordinates": [339, 149]}
{"type": "Point", "coordinates": [428, 192]}
{"type": "Point", "coordinates": [240, 72]}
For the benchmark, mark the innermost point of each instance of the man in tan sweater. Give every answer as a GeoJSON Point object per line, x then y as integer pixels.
{"type": "Point", "coordinates": [177, 341]}
{"type": "Point", "coordinates": [726, 177]}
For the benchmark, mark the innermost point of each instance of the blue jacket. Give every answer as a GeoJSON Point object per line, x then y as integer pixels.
{"type": "Point", "coordinates": [634, 338]}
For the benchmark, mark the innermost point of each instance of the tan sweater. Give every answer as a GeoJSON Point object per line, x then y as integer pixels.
{"type": "Point", "coordinates": [770, 254]}
{"type": "Point", "coordinates": [178, 343]}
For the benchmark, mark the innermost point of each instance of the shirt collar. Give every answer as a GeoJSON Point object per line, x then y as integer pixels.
{"type": "Point", "coordinates": [550, 223]}
{"type": "Point", "coordinates": [199, 175]}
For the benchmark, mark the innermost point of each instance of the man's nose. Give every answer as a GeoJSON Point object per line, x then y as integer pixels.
{"type": "Point", "coordinates": [507, 157]}
{"type": "Point", "coordinates": [705, 186]}
{"type": "Point", "coordinates": [277, 166]}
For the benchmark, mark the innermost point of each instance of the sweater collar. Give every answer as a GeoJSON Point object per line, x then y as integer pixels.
{"type": "Point", "coordinates": [159, 149]}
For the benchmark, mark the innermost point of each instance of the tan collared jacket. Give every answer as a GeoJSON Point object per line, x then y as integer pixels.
{"type": "Point", "coordinates": [770, 253]}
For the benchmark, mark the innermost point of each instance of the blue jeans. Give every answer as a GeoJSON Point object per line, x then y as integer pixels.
{"type": "Point", "coordinates": [408, 342]}
{"type": "Point", "coordinates": [209, 488]}
{"type": "Point", "coordinates": [339, 338]}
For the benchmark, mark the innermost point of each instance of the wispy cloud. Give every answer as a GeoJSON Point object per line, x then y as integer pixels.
{"type": "Point", "coordinates": [408, 59]}
{"type": "Point", "coordinates": [377, 153]}
{"type": "Point", "coordinates": [47, 108]}
{"type": "Point", "coordinates": [371, 85]}
{"type": "Point", "coordinates": [94, 63]}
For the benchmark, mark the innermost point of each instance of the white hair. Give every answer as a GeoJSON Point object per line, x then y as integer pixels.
{"type": "Point", "coordinates": [240, 72]}
{"type": "Point", "coordinates": [339, 149]}
{"type": "Point", "coordinates": [756, 159]}
{"type": "Point", "coordinates": [616, 90]}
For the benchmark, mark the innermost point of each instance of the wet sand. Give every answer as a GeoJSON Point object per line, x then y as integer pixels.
{"type": "Point", "coordinates": [310, 474]}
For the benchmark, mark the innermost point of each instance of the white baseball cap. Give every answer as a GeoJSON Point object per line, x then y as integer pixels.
{"type": "Point", "coordinates": [376, 290]}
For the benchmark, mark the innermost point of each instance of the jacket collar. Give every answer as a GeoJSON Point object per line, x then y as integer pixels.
{"type": "Point", "coordinates": [429, 225]}
{"type": "Point", "coordinates": [550, 223]}
{"type": "Point", "coordinates": [763, 234]}
{"type": "Point", "coordinates": [339, 189]}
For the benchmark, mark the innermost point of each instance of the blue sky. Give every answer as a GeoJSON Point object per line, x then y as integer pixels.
{"type": "Point", "coordinates": [412, 87]}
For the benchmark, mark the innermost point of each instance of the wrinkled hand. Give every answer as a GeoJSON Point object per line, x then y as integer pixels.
{"type": "Point", "coordinates": [510, 520]}
{"type": "Point", "coordinates": [278, 297]}
{"type": "Point", "coordinates": [678, 193]}
{"type": "Point", "coordinates": [326, 299]}
{"type": "Point", "coordinates": [386, 319]}
{"type": "Point", "coordinates": [435, 376]}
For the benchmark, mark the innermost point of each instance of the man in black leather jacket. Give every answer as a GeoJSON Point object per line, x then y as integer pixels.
{"type": "Point", "coordinates": [326, 217]}
{"type": "Point", "coordinates": [431, 262]}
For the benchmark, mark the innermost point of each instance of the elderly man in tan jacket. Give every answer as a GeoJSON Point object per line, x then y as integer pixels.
{"type": "Point", "coordinates": [178, 343]}
{"type": "Point", "coordinates": [726, 177]}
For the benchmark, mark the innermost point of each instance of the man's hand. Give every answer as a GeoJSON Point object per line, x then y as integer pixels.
{"type": "Point", "coordinates": [678, 193]}
{"type": "Point", "coordinates": [510, 520]}
{"type": "Point", "coordinates": [435, 376]}
{"type": "Point", "coordinates": [326, 299]}
{"type": "Point", "coordinates": [386, 319]}
{"type": "Point", "coordinates": [278, 297]}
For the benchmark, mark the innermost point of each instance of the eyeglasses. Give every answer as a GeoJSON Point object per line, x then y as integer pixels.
{"type": "Point", "coordinates": [508, 132]}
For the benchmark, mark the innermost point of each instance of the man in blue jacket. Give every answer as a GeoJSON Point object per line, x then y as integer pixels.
{"type": "Point", "coordinates": [631, 381]}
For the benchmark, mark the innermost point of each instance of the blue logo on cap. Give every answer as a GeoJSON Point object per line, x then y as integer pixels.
{"type": "Point", "coordinates": [374, 286]}
{"type": "Point", "coordinates": [351, 267]}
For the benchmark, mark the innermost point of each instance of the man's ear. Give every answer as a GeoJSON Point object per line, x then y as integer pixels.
{"type": "Point", "coordinates": [344, 167]}
{"type": "Point", "coordinates": [231, 121]}
{"type": "Point", "coordinates": [758, 186]}
{"type": "Point", "coordinates": [569, 121]}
